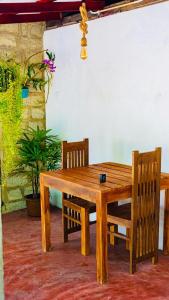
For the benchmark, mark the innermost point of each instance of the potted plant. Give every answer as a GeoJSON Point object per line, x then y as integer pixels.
{"type": "Point", "coordinates": [39, 150]}
{"type": "Point", "coordinates": [39, 74]}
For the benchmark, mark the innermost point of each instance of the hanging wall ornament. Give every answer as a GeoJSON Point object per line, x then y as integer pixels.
{"type": "Point", "coordinates": [83, 28]}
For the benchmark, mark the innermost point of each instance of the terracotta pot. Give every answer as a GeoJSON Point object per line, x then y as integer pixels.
{"type": "Point", "coordinates": [33, 206]}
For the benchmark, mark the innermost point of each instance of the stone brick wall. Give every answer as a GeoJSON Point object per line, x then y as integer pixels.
{"type": "Point", "coordinates": [19, 41]}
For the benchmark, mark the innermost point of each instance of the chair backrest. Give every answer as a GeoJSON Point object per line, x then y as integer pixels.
{"type": "Point", "coordinates": [146, 168]}
{"type": "Point", "coordinates": [75, 154]}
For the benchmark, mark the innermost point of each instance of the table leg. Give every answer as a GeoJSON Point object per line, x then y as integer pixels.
{"type": "Point", "coordinates": [101, 241]}
{"type": "Point", "coordinates": [85, 234]}
{"type": "Point", "coordinates": [166, 224]}
{"type": "Point", "coordinates": [45, 216]}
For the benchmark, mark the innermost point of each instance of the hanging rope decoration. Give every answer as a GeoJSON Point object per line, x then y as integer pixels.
{"type": "Point", "coordinates": [83, 28]}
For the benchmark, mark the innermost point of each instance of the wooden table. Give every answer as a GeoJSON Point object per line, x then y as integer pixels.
{"type": "Point", "coordinates": [84, 182]}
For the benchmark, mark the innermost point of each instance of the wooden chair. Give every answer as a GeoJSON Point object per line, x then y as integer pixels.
{"type": "Point", "coordinates": [76, 211]}
{"type": "Point", "coordinates": [141, 216]}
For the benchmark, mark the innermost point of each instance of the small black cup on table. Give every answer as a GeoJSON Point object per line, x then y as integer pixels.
{"type": "Point", "coordinates": [102, 178]}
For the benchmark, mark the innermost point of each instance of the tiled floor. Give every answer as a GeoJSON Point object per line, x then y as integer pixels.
{"type": "Point", "coordinates": [64, 274]}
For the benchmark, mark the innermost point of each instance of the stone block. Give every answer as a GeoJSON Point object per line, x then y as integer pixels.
{"type": "Point", "coordinates": [38, 113]}
{"type": "Point", "coordinates": [36, 30]}
{"type": "Point", "coordinates": [34, 124]}
{"type": "Point", "coordinates": [26, 112]}
{"type": "Point", "coordinates": [12, 206]}
{"type": "Point", "coordinates": [10, 28]}
{"type": "Point", "coordinates": [4, 53]}
{"type": "Point", "coordinates": [36, 46]}
{"type": "Point", "coordinates": [25, 124]}
{"type": "Point", "coordinates": [24, 41]}
{"type": "Point", "coordinates": [28, 191]}
{"type": "Point", "coordinates": [14, 194]}
{"type": "Point", "coordinates": [34, 92]}
{"type": "Point", "coordinates": [8, 40]}
{"type": "Point", "coordinates": [37, 100]}
{"type": "Point", "coordinates": [38, 57]}
{"type": "Point", "coordinates": [24, 28]}
{"type": "Point", "coordinates": [14, 181]}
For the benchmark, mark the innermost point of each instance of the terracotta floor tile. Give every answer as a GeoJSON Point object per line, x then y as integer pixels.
{"type": "Point", "coordinates": [64, 274]}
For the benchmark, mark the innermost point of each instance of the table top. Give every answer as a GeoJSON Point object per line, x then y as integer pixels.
{"type": "Point", "coordinates": [84, 182]}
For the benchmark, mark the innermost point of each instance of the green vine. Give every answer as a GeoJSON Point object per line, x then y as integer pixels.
{"type": "Point", "coordinates": [10, 115]}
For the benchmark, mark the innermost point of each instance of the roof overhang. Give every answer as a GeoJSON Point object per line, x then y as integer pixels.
{"type": "Point", "coordinates": [42, 10]}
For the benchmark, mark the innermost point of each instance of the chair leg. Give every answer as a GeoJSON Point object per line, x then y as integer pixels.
{"type": "Point", "coordinates": [113, 239]}
{"type": "Point", "coordinates": [132, 254]}
{"type": "Point", "coordinates": [128, 235]}
{"type": "Point", "coordinates": [156, 238]}
{"type": "Point", "coordinates": [65, 225]}
{"type": "Point", "coordinates": [85, 234]}
{"type": "Point", "coordinates": [132, 264]}
{"type": "Point", "coordinates": [155, 259]}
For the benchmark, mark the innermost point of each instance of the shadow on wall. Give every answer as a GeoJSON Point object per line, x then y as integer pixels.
{"type": "Point", "coordinates": [56, 198]}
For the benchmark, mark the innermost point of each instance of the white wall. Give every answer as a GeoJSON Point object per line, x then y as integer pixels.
{"type": "Point", "coordinates": [119, 97]}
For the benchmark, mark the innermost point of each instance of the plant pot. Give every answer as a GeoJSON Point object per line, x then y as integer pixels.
{"type": "Point", "coordinates": [33, 206]}
{"type": "Point", "coordinates": [25, 92]}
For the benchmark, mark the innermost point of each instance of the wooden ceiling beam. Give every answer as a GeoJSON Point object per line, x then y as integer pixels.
{"type": "Point", "coordinates": [26, 18]}
{"type": "Point", "coordinates": [114, 8]}
{"type": "Point", "coordinates": [49, 6]}
{"type": "Point", "coordinates": [38, 7]}
{"type": "Point", "coordinates": [45, 1]}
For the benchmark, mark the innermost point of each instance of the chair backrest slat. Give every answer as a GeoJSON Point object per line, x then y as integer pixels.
{"type": "Point", "coordinates": [146, 170]}
{"type": "Point", "coordinates": [75, 154]}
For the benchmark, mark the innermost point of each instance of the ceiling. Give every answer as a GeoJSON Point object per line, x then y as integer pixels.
{"type": "Point", "coordinates": [22, 11]}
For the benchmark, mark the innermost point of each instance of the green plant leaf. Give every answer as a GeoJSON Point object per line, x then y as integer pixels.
{"type": "Point", "coordinates": [10, 114]}
{"type": "Point", "coordinates": [39, 150]}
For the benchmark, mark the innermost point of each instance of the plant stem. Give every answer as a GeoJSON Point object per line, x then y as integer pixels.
{"type": "Point", "coordinates": [26, 63]}
{"type": "Point", "coordinates": [33, 189]}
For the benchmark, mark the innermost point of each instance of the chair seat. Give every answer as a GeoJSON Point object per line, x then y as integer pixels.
{"type": "Point", "coordinates": [123, 211]}
{"type": "Point", "coordinates": [120, 215]}
{"type": "Point", "coordinates": [83, 203]}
